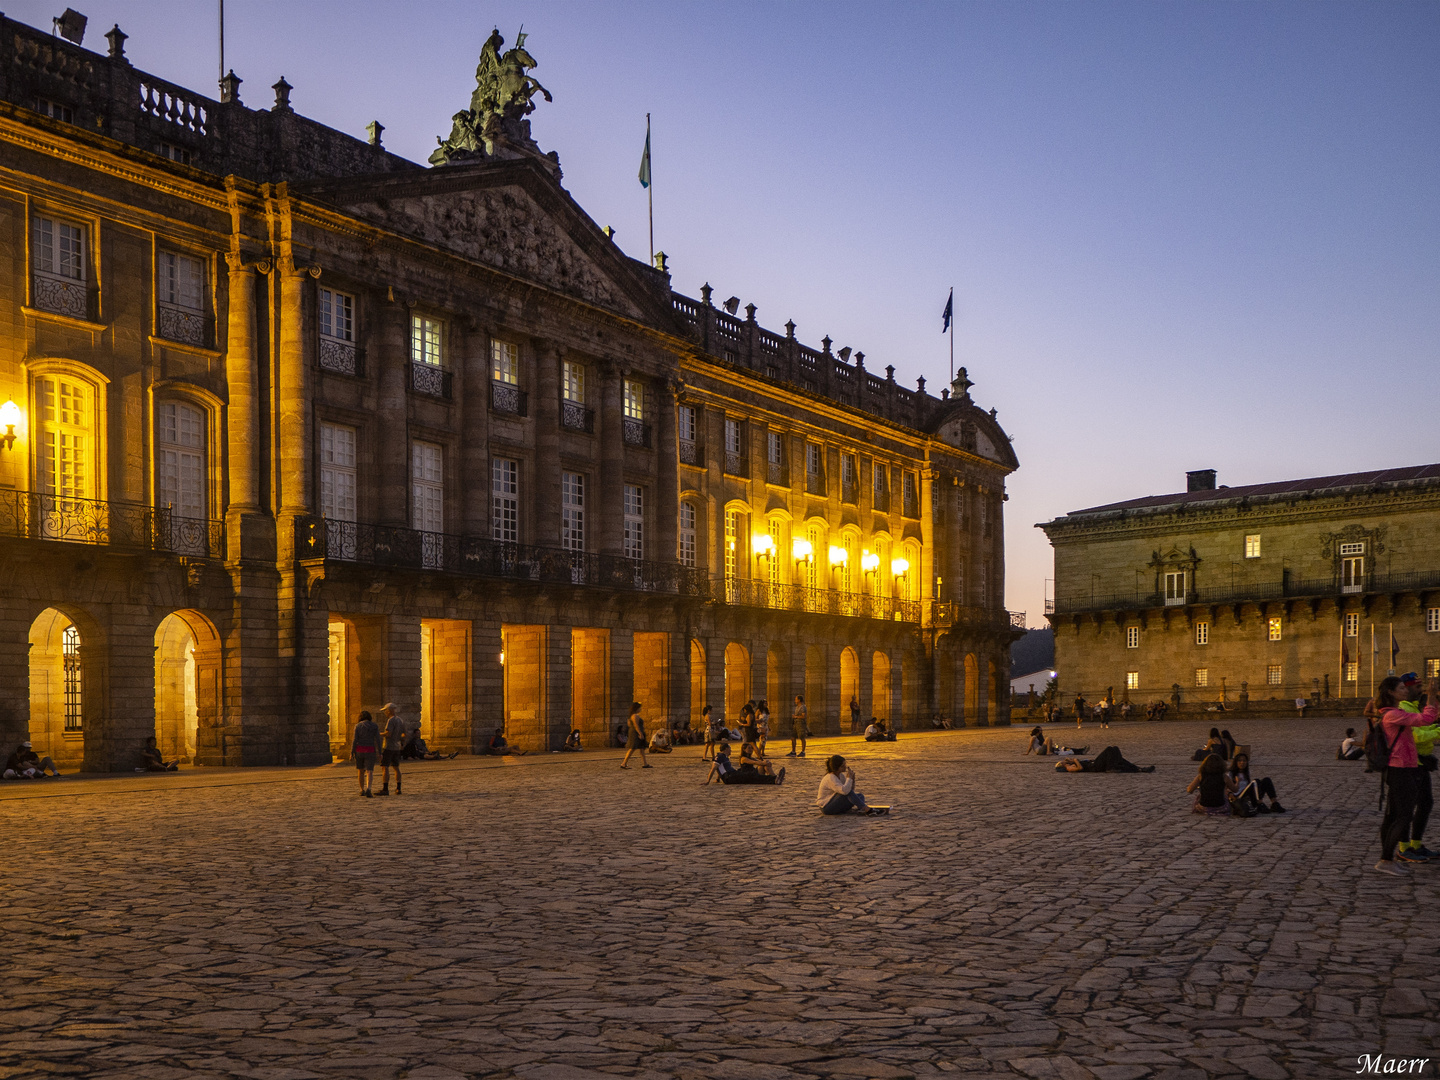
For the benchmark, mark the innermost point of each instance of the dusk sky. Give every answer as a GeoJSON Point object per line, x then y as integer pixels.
{"type": "Point", "coordinates": [1181, 235]}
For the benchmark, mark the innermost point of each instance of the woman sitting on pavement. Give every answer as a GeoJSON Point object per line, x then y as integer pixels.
{"type": "Point", "coordinates": [749, 772]}
{"type": "Point", "coordinates": [152, 761]}
{"type": "Point", "coordinates": [1350, 748]}
{"type": "Point", "coordinates": [1215, 745]}
{"type": "Point", "coordinates": [572, 741]}
{"type": "Point", "coordinates": [25, 764]}
{"type": "Point", "coordinates": [660, 741]}
{"type": "Point", "coordinates": [874, 733]}
{"type": "Point", "coordinates": [755, 769]}
{"type": "Point", "coordinates": [1212, 787]}
{"type": "Point", "coordinates": [1039, 744]}
{"type": "Point", "coordinates": [1108, 760]}
{"type": "Point", "coordinates": [837, 794]}
{"type": "Point", "coordinates": [1248, 793]}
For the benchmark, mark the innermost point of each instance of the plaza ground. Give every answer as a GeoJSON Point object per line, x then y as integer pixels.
{"type": "Point", "coordinates": [550, 918]}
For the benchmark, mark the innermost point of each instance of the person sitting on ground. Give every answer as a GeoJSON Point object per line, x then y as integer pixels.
{"type": "Point", "coordinates": [1301, 704]}
{"type": "Point", "coordinates": [755, 769]}
{"type": "Point", "coordinates": [572, 741]}
{"type": "Point", "coordinates": [415, 748]}
{"type": "Point", "coordinates": [1214, 745]}
{"type": "Point", "coordinates": [873, 733]}
{"type": "Point", "coordinates": [1039, 744]}
{"type": "Point", "coordinates": [25, 764]}
{"type": "Point", "coordinates": [498, 746]}
{"type": "Point", "coordinates": [1350, 747]}
{"type": "Point", "coordinates": [1249, 793]}
{"type": "Point", "coordinates": [1212, 787]}
{"type": "Point", "coordinates": [837, 794]}
{"type": "Point", "coordinates": [660, 741]}
{"type": "Point", "coordinates": [890, 733]}
{"type": "Point", "coordinates": [1227, 741]}
{"type": "Point", "coordinates": [151, 761]}
{"type": "Point", "coordinates": [622, 735]}
{"type": "Point", "coordinates": [1108, 760]}
{"type": "Point", "coordinates": [721, 771]}
{"type": "Point", "coordinates": [1125, 710]}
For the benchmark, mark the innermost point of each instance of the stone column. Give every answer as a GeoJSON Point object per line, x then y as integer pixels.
{"type": "Point", "coordinates": [622, 681]}
{"type": "Point", "coordinates": [546, 406]}
{"type": "Point", "coordinates": [666, 512]}
{"type": "Point", "coordinates": [865, 678]}
{"type": "Point", "coordinates": [390, 436]}
{"type": "Point", "coordinates": [487, 682]}
{"type": "Point", "coordinates": [472, 394]}
{"type": "Point", "coordinates": [296, 392]}
{"type": "Point", "coordinates": [14, 672]}
{"type": "Point", "coordinates": [715, 676]}
{"type": "Point", "coordinates": [679, 648]}
{"type": "Point", "coordinates": [556, 715]}
{"type": "Point", "coordinates": [924, 481]}
{"type": "Point", "coordinates": [126, 712]}
{"type": "Point", "coordinates": [242, 389]}
{"type": "Point", "coordinates": [609, 511]}
{"type": "Point", "coordinates": [759, 654]}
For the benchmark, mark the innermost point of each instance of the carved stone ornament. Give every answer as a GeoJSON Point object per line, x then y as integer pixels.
{"type": "Point", "coordinates": [503, 97]}
{"type": "Point", "coordinates": [1373, 539]}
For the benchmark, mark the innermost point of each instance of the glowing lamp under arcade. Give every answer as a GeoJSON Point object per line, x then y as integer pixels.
{"type": "Point", "coordinates": [801, 550]}
{"type": "Point", "coordinates": [838, 556]}
{"type": "Point", "coordinates": [869, 562]}
{"type": "Point", "coordinates": [763, 544]}
{"type": "Point", "coordinates": [899, 566]}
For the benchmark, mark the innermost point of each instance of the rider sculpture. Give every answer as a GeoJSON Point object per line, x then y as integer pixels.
{"type": "Point", "coordinates": [503, 95]}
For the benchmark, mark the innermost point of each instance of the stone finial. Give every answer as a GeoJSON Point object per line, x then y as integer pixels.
{"type": "Point", "coordinates": [374, 130]}
{"type": "Point", "coordinates": [790, 328]}
{"type": "Point", "coordinates": [117, 37]}
{"type": "Point", "coordinates": [705, 291]}
{"type": "Point", "coordinates": [609, 232]}
{"type": "Point", "coordinates": [230, 89]}
{"type": "Point", "coordinates": [662, 262]}
{"type": "Point", "coordinates": [859, 359]}
{"type": "Point", "coordinates": [920, 384]}
{"type": "Point", "coordinates": [282, 95]}
{"type": "Point", "coordinates": [825, 344]}
{"type": "Point", "coordinates": [944, 395]}
{"type": "Point", "coordinates": [889, 372]}
{"type": "Point", "coordinates": [750, 310]}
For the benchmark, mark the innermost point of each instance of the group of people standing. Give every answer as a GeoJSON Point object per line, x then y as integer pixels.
{"type": "Point", "coordinates": [1401, 743]}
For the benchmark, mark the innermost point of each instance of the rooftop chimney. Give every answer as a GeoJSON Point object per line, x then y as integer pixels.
{"type": "Point", "coordinates": [1200, 480]}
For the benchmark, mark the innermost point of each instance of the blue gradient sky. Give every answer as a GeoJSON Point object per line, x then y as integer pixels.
{"type": "Point", "coordinates": [1181, 235]}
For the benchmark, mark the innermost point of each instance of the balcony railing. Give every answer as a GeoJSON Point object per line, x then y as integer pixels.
{"type": "Point", "coordinates": [63, 296]}
{"type": "Point", "coordinates": [814, 484]}
{"type": "Point", "coordinates": [690, 453]}
{"type": "Point", "coordinates": [776, 473]}
{"type": "Point", "coordinates": [31, 515]}
{"type": "Point", "coordinates": [183, 325]}
{"type": "Point", "coordinates": [736, 464]}
{"type": "Point", "coordinates": [849, 492]}
{"type": "Point", "coordinates": [430, 380]}
{"type": "Point", "coordinates": [636, 432]}
{"type": "Point", "coordinates": [577, 417]}
{"type": "Point", "coordinates": [505, 398]}
{"type": "Point", "coordinates": [1232, 593]}
{"type": "Point", "coordinates": [414, 549]}
{"type": "Point", "coordinates": [338, 356]}
{"type": "Point", "coordinates": [882, 501]}
{"type": "Point", "coordinates": [947, 613]}
{"type": "Point", "coordinates": [751, 592]}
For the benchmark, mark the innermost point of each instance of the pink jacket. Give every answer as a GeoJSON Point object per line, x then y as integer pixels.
{"type": "Point", "coordinates": [1397, 725]}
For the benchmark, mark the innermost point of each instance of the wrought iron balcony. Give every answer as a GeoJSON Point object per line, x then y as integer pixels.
{"type": "Point", "coordinates": [577, 417]}
{"type": "Point", "coordinates": [430, 380]}
{"type": "Point", "coordinates": [180, 324]}
{"type": "Point", "coordinates": [814, 484]}
{"type": "Point", "coordinates": [736, 464]}
{"type": "Point", "coordinates": [756, 593]}
{"type": "Point", "coordinates": [1288, 588]}
{"type": "Point", "coordinates": [340, 357]}
{"type": "Point", "coordinates": [32, 515]}
{"type": "Point", "coordinates": [474, 556]}
{"type": "Point", "coordinates": [691, 453]}
{"type": "Point", "coordinates": [947, 613]}
{"type": "Point", "coordinates": [777, 474]}
{"type": "Point", "coordinates": [62, 295]}
{"type": "Point", "coordinates": [505, 398]}
{"type": "Point", "coordinates": [636, 432]}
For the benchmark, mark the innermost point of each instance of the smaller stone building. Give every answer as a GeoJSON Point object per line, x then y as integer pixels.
{"type": "Point", "coordinates": [1253, 596]}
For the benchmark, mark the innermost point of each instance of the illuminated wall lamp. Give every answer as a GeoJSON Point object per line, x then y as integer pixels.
{"type": "Point", "coordinates": [802, 551]}
{"type": "Point", "coordinates": [869, 562]}
{"type": "Point", "coordinates": [764, 546]}
{"type": "Point", "coordinates": [838, 556]}
{"type": "Point", "coordinates": [899, 567]}
{"type": "Point", "coordinates": [9, 420]}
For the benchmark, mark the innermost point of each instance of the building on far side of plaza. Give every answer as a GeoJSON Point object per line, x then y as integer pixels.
{"type": "Point", "coordinates": [1251, 595]}
{"type": "Point", "coordinates": [297, 427]}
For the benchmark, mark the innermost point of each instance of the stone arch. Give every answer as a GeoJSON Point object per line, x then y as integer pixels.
{"type": "Point", "coordinates": [68, 688]}
{"type": "Point", "coordinates": [697, 682]}
{"type": "Point", "coordinates": [777, 682]}
{"type": "Point", "coordinates": [187, 686]}
{"type": "Point", "coordinates": [880, 692]}
{"type": "Point", "coordinates": [737, 679]}
{"type": "Point", "coordinates": [345, 683]}
{"type": "Point", "coordinates": [972, 690]}
{"type": "Point", "coordinates": [849, 684]}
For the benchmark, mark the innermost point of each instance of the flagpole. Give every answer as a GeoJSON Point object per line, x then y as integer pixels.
{"type": "Point", "coordinates": [1372, 659]}
{"type": "Point", "coordinates": [650, 191]}
{"type": "Point", "coordinates": [1340, 686]}
{"type": "Point", "coordinates": [1393, 650]}
{"type": "Point", "coordinates": [222, 41]}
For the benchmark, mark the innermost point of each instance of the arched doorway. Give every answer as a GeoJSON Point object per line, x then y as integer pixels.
{"type": "Point", "coordinates": [777, 685]}
{"type": "Point", "coordinates": [880, 692]}
{"type": "Point", "coordinates": [187, 687]}
{"type": "Point", "coordinates": [972, 691]}
{"type": "Point", "coordinates": [849, 686]}
{"type": "Point", "coordinates": [697, 682]}
{"type": "Point", "coordinates": [737, 679]}
{"type": "Point", "coordinates": [62, 699]}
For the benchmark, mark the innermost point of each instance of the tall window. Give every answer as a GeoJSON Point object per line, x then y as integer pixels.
{"type": "Point", "coordinates": [1432, 620]}
{"type": "Point", "coordinates": [572, 381]}
{"type": "Point", "coordinates": [818, 553]}
{"type": "Point", "coordinates": [66, 437]}
{"type": "Point", "coordinates": [1252, 546]}
{"type": "Point", "coordinates": [732, 545]}
{"type": "Point", "coordinates": [911, 507]}
{"type": "Point", "coordinates": [634, 521]}
{"type": "Point", "coordinates": [505, 500]}
{"type": "Point", "coordinates": [337, 315]}
{"type": "Point", "coordinates": [1352, 568]}
{"type": "Point", "coordinates": [984, 515]}
{"type": "Point", "coordinates": [880, 492]}
{"type": "Point", "coordinates": [687, 423]}
{"type": "Point", "coordinates": [572, 511]}
{"type": "Point", "coordinates": [1174, 587]}
{"type": "Point", "coordinates": [1352, 623]}
{"type": "Point", "coordinates": [1273, 675]}
{"type": "Point", "coordinates": [847, 470]}
{"type": "Point", "coordinates": [1275, 627]}
{"type": "Point", "coordinates": [1132, 637]}
{"type": "Point", "coordinates": [687, 534]}
{"type": "Point", "coordinates": [58, 257]}
{"type": "Point", "coordinates": [426, 340]}
{"type": "Point", "coordinates": [427, 480]}
{"type": "Point", "coordinates": [634, 399]}
{"type": "Point", "coordinates": [182, 281]}
{"type": "Point", "coordinates": [1202, 676]}
{"type": "Point", "coordinates": [180, 457]}
{"type": "Point", "coordinates": [814, 471]}
{"type": "Point", "coordinates": [984, 584]}
{"type": "Point", "coordinates": [337, 472]}
{"type": "Point", "coordinates": [504, 362]}
{"type": "Point", "coordinates": [732, 436]}
{"type": "Point", "coordinates": [1352, 671]}
{"type": "Point", "coordinates": [774, 448]}
{"type": "Point", "coordinates": [1202, 633]}
{"type": "Point", "coordinates": [70, 653]}
{"type": "Point", "coordinates": [777, 529]}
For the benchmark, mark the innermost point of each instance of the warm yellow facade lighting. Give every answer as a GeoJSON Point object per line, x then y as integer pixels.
{"type": "Point", "coordinates": [9, 420]}
{"type": "Point", "coordinates": [869, 562]}
{"type": "Point", "coordinates": [801, 550]}
{"type": "Point", "coordinates": [763, 544]}
{"type": "Point", "coordinates": [899, 567]}
{"type": "Point", "coordinates": [838, 556]}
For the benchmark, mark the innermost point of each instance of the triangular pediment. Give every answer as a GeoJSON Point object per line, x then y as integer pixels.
{"type": "Point", "coordinates": [509, 215]}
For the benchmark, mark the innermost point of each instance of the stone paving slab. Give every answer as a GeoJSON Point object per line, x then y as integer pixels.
{"type": "Point", "coordinates": [545, 917]}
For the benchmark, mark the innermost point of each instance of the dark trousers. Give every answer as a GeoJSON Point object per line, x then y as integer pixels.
{"type": "Point", "coordinates": [1424, 803]}
{"type": "Point", "coordinates": [1111, 760]}
{"type": "Point", "coordinates": [1404, 791]}
{"type": "Point", "coordinates": [843, 804]}
{"type": "Point", "coordinates": [1263, 788]}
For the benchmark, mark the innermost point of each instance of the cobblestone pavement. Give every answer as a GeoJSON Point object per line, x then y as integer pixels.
{"type": "Point", "coordinates": [547, 918]}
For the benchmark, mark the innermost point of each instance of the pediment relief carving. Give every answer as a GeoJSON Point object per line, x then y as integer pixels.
{"type": "Point", "coordinates": [1175, 558]}
{"type": "Point", "coordinates": [1373, 539]}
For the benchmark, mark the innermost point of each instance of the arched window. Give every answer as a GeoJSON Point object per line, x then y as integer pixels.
{"type": "Point", "coordinates": [180, 460]}
{"type": "Point", "coordinates": [66, 464]}
{"type": "Point", "coordinates": [818, 548]}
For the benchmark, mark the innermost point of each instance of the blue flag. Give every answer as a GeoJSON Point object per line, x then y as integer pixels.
{"type": "Point", "coordinates": [949, 304]}
{"type": "Point", "coordinates": [645, 162]}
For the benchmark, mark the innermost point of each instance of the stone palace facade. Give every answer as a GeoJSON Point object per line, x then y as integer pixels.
{"type": "Point", "coordinates": [294, 427]}
{"type": "Point", "coordinates": [1303, 588]}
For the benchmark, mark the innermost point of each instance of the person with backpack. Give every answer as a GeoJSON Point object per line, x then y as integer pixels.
{"type": "Point", "coordinates": [1412, 848]}
{"type": "Point", "coordinates": [1391, 747]}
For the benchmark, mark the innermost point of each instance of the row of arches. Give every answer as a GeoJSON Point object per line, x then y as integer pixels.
{"type": "Point", "coordinates": [71, 717]}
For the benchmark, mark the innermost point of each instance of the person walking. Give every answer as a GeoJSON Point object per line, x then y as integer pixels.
{"type": "Point", "coordinates": [799, 725]}
{"type": "Point", "coordinates": [635, 737]}
{"type": "Point", "coordinates": [854, 715]}
{"type": "Point", "coordinates": [392, 748]}
{"type": "Point", "coordinates": [707, 752]}
{"type": "Point", "coordinates": [367, 738]}
{"type": "Point", "coordinates": [1403, 768]}
{"type": "Point", "coordinates": [1079, 711]}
